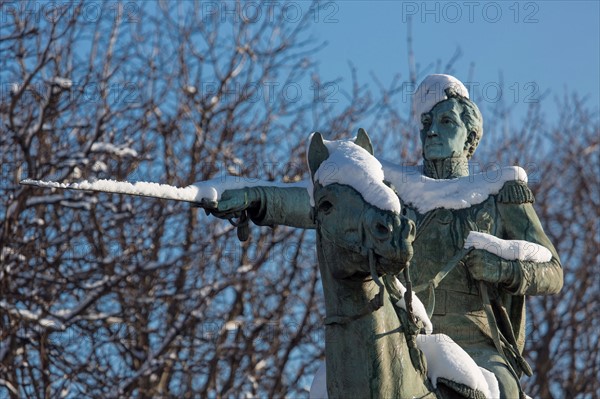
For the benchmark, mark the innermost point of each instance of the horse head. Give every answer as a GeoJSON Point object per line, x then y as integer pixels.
{"type": "Point", "coordinates": [361, 235]}
{"type": "Point", "coordinates": [355, 211]}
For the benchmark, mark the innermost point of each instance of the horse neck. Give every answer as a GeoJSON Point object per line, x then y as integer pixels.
{"type": "Point", "coordinates": [367, 357]}
{"type": "Point", "coordinates": [348, 297]}
{"type": "Point", "coordinates": [363, 355]}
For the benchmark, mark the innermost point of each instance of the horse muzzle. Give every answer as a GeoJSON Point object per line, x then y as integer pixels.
{"type": "Point", "coordinates": [390, 236]}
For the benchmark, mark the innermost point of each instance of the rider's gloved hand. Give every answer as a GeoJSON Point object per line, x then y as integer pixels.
{"type": "Point", "coordinates": [486, 266]}
{"type": "Point", "coordinates": [238, 204]}
{"type": "Point", "coordinates": [233, 202]}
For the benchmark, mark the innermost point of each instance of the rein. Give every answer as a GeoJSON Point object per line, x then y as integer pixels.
{"type": "Point", "coordinates": [505, 346]}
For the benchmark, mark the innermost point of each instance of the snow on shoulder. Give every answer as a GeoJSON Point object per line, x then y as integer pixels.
{"type": "Point", "coordinates": [352, 165]}
{"type": "Point", "coordinates": [318, 388]}
{"type": "Point", "coordinates": [426, 194]}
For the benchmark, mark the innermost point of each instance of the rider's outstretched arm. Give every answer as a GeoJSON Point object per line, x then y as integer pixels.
{"type": "Point", "coordinates": [268, 206]}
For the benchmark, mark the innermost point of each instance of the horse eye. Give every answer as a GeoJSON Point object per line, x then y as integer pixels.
{"type": "Point", "coordinates": [325, 207]}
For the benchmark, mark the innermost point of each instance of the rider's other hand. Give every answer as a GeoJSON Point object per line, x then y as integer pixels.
{"type": "Point", "coordinates": [486, 266]}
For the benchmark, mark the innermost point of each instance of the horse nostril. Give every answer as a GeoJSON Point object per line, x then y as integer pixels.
{"type": "Point", "coordinates": [382, 230]}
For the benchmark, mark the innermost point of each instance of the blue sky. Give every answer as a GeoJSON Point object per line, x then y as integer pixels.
{"type": "Point", "coordinates": [538, 46]}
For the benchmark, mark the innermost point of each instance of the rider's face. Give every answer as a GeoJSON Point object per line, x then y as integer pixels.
{"type": "Point", "coordinates": [444, 133]}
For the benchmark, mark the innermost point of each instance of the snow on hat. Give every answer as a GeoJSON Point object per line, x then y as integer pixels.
{"type": "Point", "coordinates": [432, 90]}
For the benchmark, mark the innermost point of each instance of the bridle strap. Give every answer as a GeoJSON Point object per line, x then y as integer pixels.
{"type": "Point", "coordinates": [357, 247]}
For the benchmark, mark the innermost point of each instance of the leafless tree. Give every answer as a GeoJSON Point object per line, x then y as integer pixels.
{"type": "Point", "coordinates": [107, 296]}
{"type": "Point", "coordinates": [112, 296]}
{"type": "Point", "coordinates": [563, 329]}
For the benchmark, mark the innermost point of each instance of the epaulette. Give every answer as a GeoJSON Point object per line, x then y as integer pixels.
{"type": "Point", "coordinates": [515, 192]}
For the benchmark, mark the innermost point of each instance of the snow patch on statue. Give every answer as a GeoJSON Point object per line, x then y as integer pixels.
{"type": "Point", "coordinates": [432, 90]}
{"type": "Point", "coordinates": [157, 190]}
{"type": "Point", "coordinates": [426, 194]}
{"type": "Point", "coordinates": [446, 359]}
{"type": "Point", "coordinates": [209, 190]}
{"type": "Point", "coordinates": [492, 383]}
{"type": "Point", "coordinates": [508, 249]}
{"type": "Point", "coordinates": [352, 165]}
{"type": "Point", "coordinates": [418, 308]}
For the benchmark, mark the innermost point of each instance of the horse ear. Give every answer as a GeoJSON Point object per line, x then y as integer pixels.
{"type": "Point", "coordinates": [363, 140]}
{"type": "Point", "coordinates": [317, 152]}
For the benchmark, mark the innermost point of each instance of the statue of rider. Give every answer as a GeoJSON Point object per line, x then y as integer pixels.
{"type": "Point", "coordinates": [451, 128]}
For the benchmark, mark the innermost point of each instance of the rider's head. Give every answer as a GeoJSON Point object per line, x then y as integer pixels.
{"type": "Point", "coordinates": [428, 105]}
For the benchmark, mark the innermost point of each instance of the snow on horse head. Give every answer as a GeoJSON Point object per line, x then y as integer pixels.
{"type": "Point", "coordinates": [355, 209]}
{"type": "Point", "coordinates": [361, 236]}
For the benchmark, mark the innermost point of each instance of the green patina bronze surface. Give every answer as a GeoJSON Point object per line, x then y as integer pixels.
{"type": "Point", "coordinates": [450, 134]}
{"type": "Point", "coordinates": [367, 351]}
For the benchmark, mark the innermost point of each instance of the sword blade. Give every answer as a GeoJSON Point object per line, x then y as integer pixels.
{"type": "Point", "coordinates": [199, 196]}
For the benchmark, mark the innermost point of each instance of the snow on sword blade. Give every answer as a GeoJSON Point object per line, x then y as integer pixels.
{"type": "Point", "coordinates": [204, 195]}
